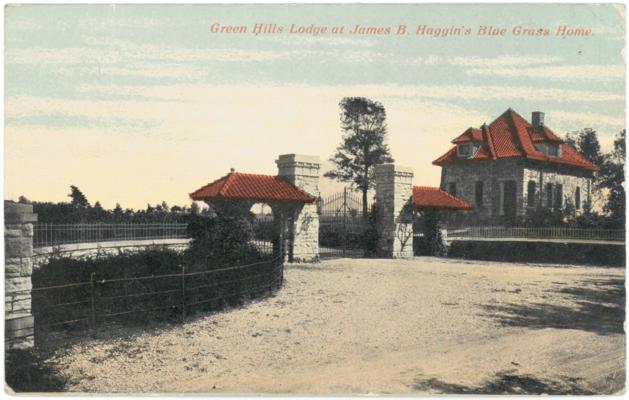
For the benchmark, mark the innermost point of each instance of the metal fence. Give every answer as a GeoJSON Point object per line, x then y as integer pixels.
{"type": "Point", "coordinates": [57, 234]}
{"type": "Point", "coordinates": [542, 233]}
{"type": "Point", "coordinates": [91, 304]}
{"type": "Point", "coordinates": [342, 225]}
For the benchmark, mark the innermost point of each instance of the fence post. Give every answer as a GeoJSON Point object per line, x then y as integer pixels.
{"type": "Point", "coordinates": [93, 304]}
{"type": "Point", "coordinates": [345, 210]}
{"type": "Point", "coordinates": [183, 293]}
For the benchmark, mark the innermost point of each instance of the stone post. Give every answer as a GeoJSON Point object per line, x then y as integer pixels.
{"type": "Point", "coordinates": [394, 191]}
{"type": "Point", "coordinates": [303, 172]}
{"type": "Point", "coordinates": [18, 268]}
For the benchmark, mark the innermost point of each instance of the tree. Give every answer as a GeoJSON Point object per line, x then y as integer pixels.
{"type": "Point", "coordinates": [118, 213]}
{"type": "Point", "coordinates": [613, 178]}
{"type": "Point", "coordinates": [98, 213]}
{"type": "Point", "coordinates": [363, 122]}
{"type": "Point", "coordinates": [586, 142]}
{"type": "Point", "coordinates": [78, 198]}
{"type": "Point", "coordinates": [23, 200]}
{"type": "Point", "coordinates": [194, 208]}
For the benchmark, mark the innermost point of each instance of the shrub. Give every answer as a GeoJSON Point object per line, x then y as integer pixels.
{"type": "Point", "coordinates": [223, 240]}
{"type": "Point", "coordinates": [148, 285]}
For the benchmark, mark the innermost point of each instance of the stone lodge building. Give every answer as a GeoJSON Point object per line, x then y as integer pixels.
{"type": "Point", "coordinates": [510, 166]}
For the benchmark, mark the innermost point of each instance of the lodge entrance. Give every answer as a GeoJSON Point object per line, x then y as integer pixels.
{"type": "Point", "coordinates": [342, 227]}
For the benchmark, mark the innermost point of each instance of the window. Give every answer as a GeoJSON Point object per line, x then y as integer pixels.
{"type": "Point", "coordinates": [530, 194]}
{"type": "Point", "coordinates": [478, 192]}
{"type": "Point", "coordinates": [577, 198]}
{"type": "Point", "coordinates": [464, 150]}
{"type": "Point", "coordinates": [558, 196]}
{"type": "Point", "coordinates": [452, 188]}
{"type": "Point", "coordinates": [549, 195]}
{"type": "Point", "coordinates": [549, 149]}
{"type": "Point", "coordinates": [553, 150]}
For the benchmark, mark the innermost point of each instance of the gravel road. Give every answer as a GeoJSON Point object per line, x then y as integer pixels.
{"type": "Point", "coordinates": [417, 326]}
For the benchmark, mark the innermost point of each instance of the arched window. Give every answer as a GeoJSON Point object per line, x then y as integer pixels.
{"type": "Point", "coordinates": [478, 193]}
{"type": "Point", "coordinates": [577, 198]}
{"type": "Point", "coordinates": [530, 194]}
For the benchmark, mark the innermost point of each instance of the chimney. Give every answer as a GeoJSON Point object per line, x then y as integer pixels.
{"type": "Point", "coordinates": [537, 119]}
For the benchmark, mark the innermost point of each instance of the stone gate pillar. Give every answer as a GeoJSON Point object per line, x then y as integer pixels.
{"type": "Point", "coordinates": [394, 191]}
{"type": "Point", "coordinates": [18, 268]}
{"type": "Point", "coordinates": [303, 172]}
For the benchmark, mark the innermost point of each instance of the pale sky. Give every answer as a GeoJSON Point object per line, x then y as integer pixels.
{"type": "Point", "coordinates": [142, 103]}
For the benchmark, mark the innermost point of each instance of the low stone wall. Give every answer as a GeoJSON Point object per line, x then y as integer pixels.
{"type": "Point", "coordinates": [42, 255]}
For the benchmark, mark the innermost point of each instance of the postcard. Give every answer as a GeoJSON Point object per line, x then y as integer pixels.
{"type": "Point", "coordinates": [315, 199]}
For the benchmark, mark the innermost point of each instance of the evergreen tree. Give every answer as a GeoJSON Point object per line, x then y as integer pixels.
{"type": "Point", "coordinates": [118, 214]}
{"type": "Point", "coordinates": [78, 198]}
{"type": "Point", "coordinates": [363, 122]}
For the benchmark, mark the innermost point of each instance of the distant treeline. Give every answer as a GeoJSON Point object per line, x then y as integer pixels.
{"type": "Point", "coordinates": [79, 210]}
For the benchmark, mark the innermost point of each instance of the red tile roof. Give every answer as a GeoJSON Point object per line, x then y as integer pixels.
{"type": "Point", "coordinates": [470, 135]}
{"type": "Point", "coordinates": [432, 197]}
{"type": "Point", "coordinates": [510, 135]}
{"type": "Point", "coordinates": [259, 188]}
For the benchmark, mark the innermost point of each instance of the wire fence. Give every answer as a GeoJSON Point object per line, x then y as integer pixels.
{"type": "Point", "coordinates": [551, 233]}
{"type": "Point", "coordinates": [88, 305]}
{"type": "Point", "coordinates": [45, 234]}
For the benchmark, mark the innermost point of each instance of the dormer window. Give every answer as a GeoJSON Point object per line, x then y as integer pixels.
{"type": "Point", "coordinates": [466, 150]}
{"type": "Point", "coordinates": [553, 150]}
{"type": "Point", "coordinates": [549, 149]}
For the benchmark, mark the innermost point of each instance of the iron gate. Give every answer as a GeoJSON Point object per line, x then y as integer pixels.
{"type": "Point", "coordinates": [342, 227]}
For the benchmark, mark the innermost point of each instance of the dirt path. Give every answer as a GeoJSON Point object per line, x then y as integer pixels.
{"type": "Point", "coordinates": [384, 326]}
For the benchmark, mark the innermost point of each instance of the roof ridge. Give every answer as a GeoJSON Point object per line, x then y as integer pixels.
{"type": "Point", "coordinates": [490, 140]}
{"type": "Point", "coordinates": [226, 184]}
{"type": "Point", "coordinates": [524, 138]}
{"type": "Point", "coordinates": [209, 184]}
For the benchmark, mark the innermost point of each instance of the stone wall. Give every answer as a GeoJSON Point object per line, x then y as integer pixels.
{"type": "Point", "coordinates": [42, 255]}
{"type": "Point", "coordinates": [569, 183]}
{"type": "Point", "coordinates": [303, 172]}
{"type": "Point", "coordinates": [18, 268]}
{"type": "Point", "coordinates": [494, 173]}
{"type": "Point", "coordinates": [394, 190]}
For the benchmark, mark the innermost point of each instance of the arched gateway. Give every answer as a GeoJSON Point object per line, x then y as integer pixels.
{"type": "Point", "coordinates": [291, 194]}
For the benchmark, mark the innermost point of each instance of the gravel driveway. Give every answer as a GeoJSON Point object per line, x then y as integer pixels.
{"type": "Point", "coordinates": [382, 326]}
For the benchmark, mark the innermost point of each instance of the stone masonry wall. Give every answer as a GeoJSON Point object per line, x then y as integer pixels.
{"type": "Point", "coordinates": [492, 173]}
{"type": "Point", "coordinates": [569, 186]}
{"type": "Point", "coordinates": [394, 189]}
{"type": "Point", "coordinates": [303, 172]}
{"type": "Point", "coordinates": [18, 268]}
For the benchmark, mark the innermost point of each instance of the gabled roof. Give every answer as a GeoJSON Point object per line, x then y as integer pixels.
{"type": "Point", "coordinates": [259, 188]}
{"type": "Point", "coordinates": [470, 135]}
{"type": "Point", "coordinates": [432, 197]}
{"type": "Point", "coordinates": [510, 135]}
